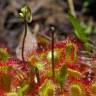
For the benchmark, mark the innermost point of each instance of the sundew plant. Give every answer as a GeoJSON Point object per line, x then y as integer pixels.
{"type": "Point", "coordinates": [55, 69]}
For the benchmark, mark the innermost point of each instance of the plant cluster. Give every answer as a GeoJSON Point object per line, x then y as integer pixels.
{"type": "Point", "coordinates": [55, 69]}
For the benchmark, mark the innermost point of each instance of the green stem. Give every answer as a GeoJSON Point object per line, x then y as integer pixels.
{"type": "Point", "coordinates": [24, 38]}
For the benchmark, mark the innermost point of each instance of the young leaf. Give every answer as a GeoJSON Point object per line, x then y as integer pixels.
{"type": "Point", "coordinates": [40, 66]}
{"type": "Point", "coordinates": [23, 89]}
{"type": "Point", "coordinates": [47, 89]}
{"type": "Point", "coordinates": [3, 55]}
{"type": "Point", "coordinates": [79, 30]}
{"type": "Point", "coordinates": [26, 13]}
{"type": "Point", "coordinates": [62, 75]}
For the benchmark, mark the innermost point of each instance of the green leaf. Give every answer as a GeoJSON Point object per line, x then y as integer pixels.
{"type": "Point", "coordinates": [24, 10]}
{"type": "Point", "coordinates": [40, 66]}
{"type": "Point", "coordinates": [5, 68]}
{"type": "Point", "coordinates": [69, 49]}
{"type": "Point", "coordinates": [61, 77]}
{"type": "Point", "coordinates": [77, 90]}
{"type": "Point", "coordinates": [88, 46]}
{"type": "Point", "coordinates": [22, 90]}
{"type": "Point", "coordinates": [3, 55]}
{"type": "Point", "coordinates": [12, 94]}
{"type": "Point", "coordinates": [47, 89]}
{"type": "Point", "coordinates": [89, 29]}
{"type": "Point", "coordinates": [79, 30]}
{"type": "Point", "coordinates": [93, 86]}
{"type": "Point", "coordinates": [74, 73]}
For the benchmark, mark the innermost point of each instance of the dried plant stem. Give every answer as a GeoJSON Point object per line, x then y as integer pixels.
{"type": "Point", "coordinates": [71, 6]}
{"type": "Point", "coordinates": [24, 38]}
{"type": "Point", "coordinates": [53, 64]}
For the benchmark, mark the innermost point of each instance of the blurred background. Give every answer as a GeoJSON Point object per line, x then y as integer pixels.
{"type": "Point", "coordinates": [44, 13]}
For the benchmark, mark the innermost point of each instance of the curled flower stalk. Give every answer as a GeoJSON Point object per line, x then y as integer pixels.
{"type": "Point", "coordinates": [25, 14]}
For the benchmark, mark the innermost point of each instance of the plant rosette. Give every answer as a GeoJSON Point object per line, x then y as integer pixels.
{"type": "Point", "coordinates": [86, 80]}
